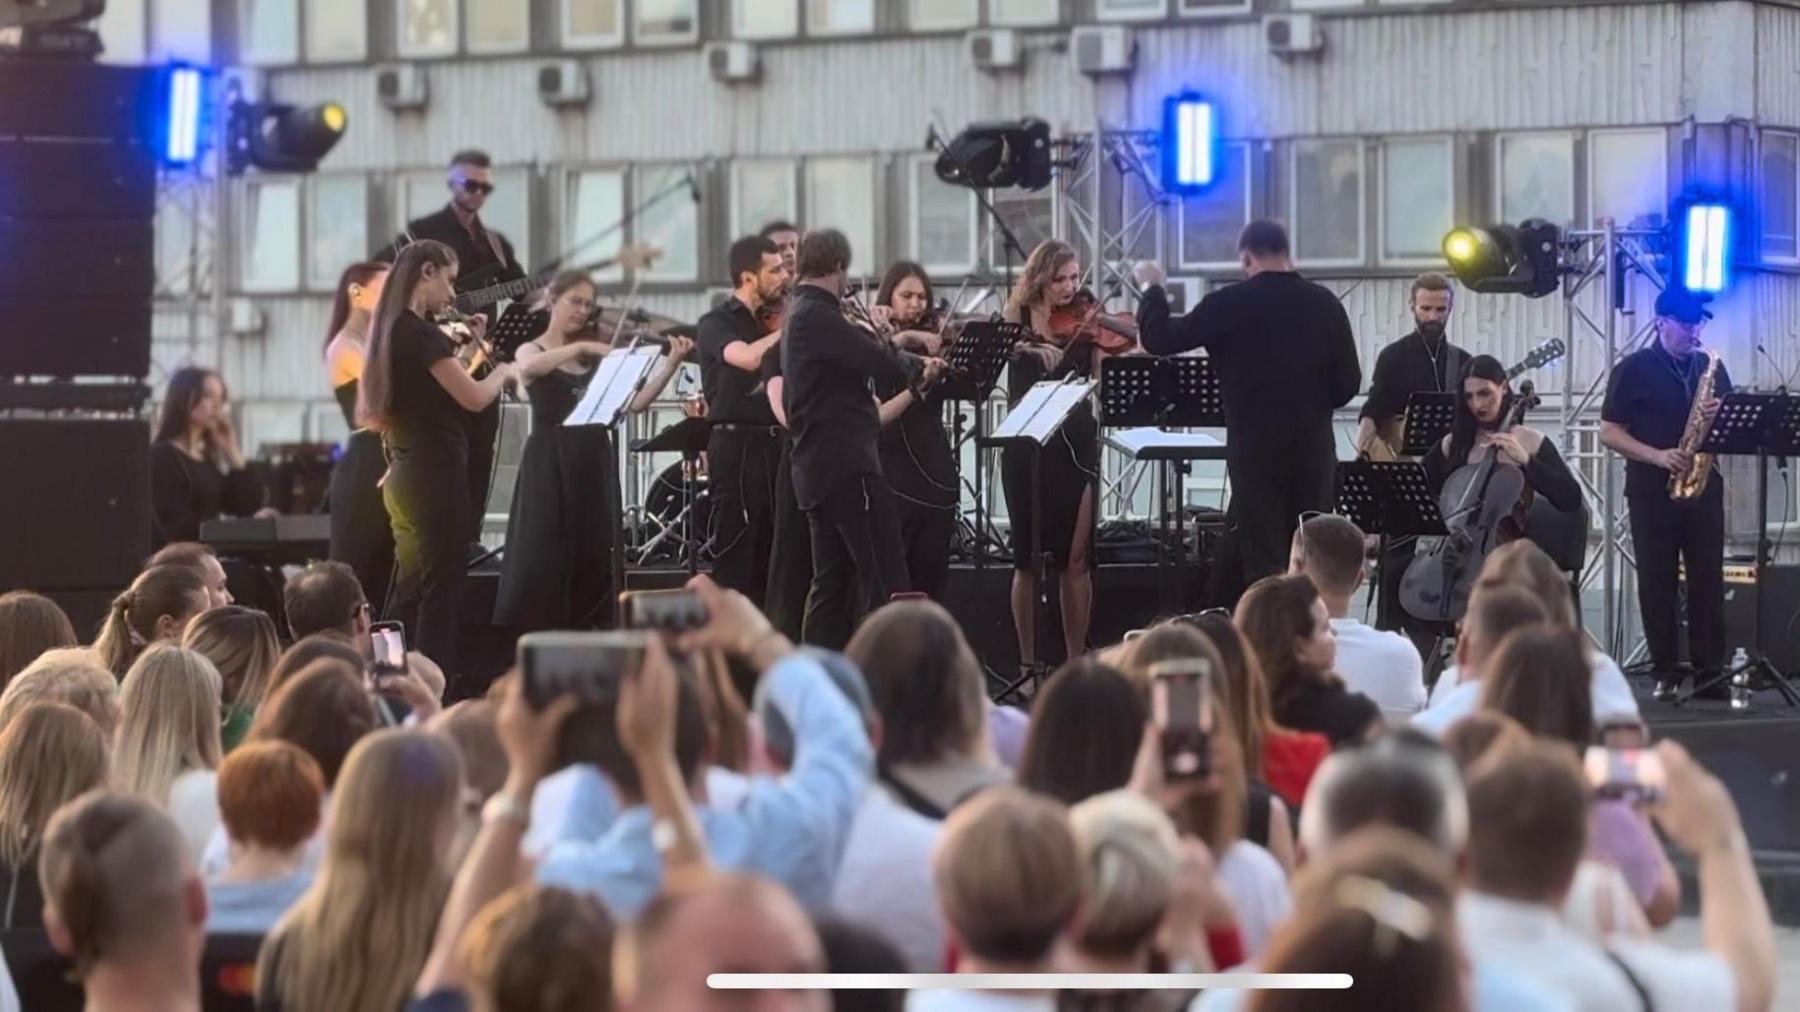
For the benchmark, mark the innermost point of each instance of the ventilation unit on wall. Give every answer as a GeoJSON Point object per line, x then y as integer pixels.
{"type": "Point", "coordinates": [1292, 34]}
{"type": "Point", "coordinates": [563, 83]}
{"type": "Point", "coordinates": [402, 86]}
{"type": "Point", "coordinates": [1103, 49]}
{"type": "Point", "coordinates": [994, 49]}
{"type": "Point", "coordinates": [733, 62]}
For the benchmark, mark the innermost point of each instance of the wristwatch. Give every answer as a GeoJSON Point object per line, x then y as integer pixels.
{"type": "Point", "coordinates": [505, 806]}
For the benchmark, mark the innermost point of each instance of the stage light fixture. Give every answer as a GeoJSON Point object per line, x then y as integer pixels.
{"type": "Point", "coordinates": [1706, 247]}
{"type": "Point", "coordinates": [183, 89]}
{"type": "Point", "coordinates": [995, 156]}
{"type": "Point", "coordinates": [1506, 259]}
{"type": "Point", "coordinates": [1190, 139]}
{"type": "Point", "coordinates": [283, 138]}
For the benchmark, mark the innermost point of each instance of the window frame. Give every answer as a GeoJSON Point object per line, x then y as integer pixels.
{"type": "Point", "coordinates": [1203, 266]}
{"type": "Point", "coordinates": [247, 240]}
{"type": "Point", "coordinates": [637, 191]}
{"type": "Point", "coordinates": [309, 202]}
{"type": "Point", "coordinates": [735, 29]}
{"type": "Point", "coordinates": [399, 26]}
{"type": "Point", "coordinates": [1762, 256]}
{"type": "Point", "coordinates": [1361, 259]}
{"type": "Point", "coordinates": [567, 39]}
{"type": "Point", "coordinates": [807, 29]}
{"type": "Point", "coordinates": [873, 254]}
{"type": "Point", "coordinates": [1187, 9]}
{"type": "Point", "coordinates": [493, 49]}
{"type": "Point", "coordinates": [296, 52]}
{"type": "Point", "coordinates": [659, 41]}
{"type": "Point", "coordinates": [735, 186]}
{"type": "Point", "coordinates": [1382, 257]}
{"type": "Point", "coordinates": [312, 55]}
{"type": "Point", "coordinates": [1589, 140]}
{"type": "Point", "coordinates": [571, 175]}
{"type": "Point", "coordinates": [1103, 14]}
{"type": "Point", "coordinates": [994, 20]}
{"type": "Point", "coordinates": [913, 222]}
{"type": "Point", "coordinates": [1575, 171]}
{"type": "Point", "coordinates": [915, 26]}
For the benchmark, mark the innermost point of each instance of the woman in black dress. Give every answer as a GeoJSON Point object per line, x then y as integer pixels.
{"type": "Point", "coordinates": [418, 395]}
{"type": "Point", "coordinates": [197, 472]}
{"type": "Point", "coordinates": [915, 451]}
{"type": "Point", "coordinates": [1487, 398]}
{"type": "Point", "coordinates": [559, 536]}
{"type": "Point", "coordinates": [360, 536]}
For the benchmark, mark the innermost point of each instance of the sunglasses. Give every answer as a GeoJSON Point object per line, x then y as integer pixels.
{"type": "Point", "coordinates": [476, 186]}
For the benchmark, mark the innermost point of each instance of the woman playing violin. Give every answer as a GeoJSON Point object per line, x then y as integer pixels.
{"type": "Point", "coordinates": [1486, 401]}
{"type": "Point", "coordinates": [1069, 464]}
{"type": "Point", "coordinates": [915, 452]}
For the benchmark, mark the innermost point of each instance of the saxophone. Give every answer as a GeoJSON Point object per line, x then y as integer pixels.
{"type": "Point", "coordinates": [1691, 483]}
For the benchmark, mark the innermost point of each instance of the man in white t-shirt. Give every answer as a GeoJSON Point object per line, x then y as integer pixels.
{"type": "Point", "coordinates": [1528, 813]}
{"type": "Point", "coordinates": [1493, 613]}
{"type": "Point", "coordinates": [1384, 666]}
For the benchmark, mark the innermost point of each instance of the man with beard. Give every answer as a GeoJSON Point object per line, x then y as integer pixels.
{"type": "Point", "coordinates": [1423, 360]}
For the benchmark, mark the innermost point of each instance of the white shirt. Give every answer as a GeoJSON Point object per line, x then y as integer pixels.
{"type": "Point", "coordinates": [1612, 693]}
{"type": "Point", "coordinates": [884, 879]}
{"type": "Point", "coordinates": [1384, 666]}
{"type": "Point", "coordinates": [1258, 889]}
{"type": "Point", "coordinates": [1491, 989]}
{"type": "Point", "coordinates": [9, 995]}
{"type": "Point", "coordinates": [1533, 941]}
{"type": "Point", "coordinates": [1453, 706]}
{"type": "Point", "coordinates": [978, 1001]}
{"type": "Point", "coordinates": [194, 805]}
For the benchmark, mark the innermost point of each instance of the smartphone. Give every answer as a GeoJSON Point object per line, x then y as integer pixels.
{"type": "Point", "coordinates": [389, 654]}
{"type": "Point", "coordinates": [1631, 774]}
{"type": "Point", "coordinates": [665, 610]}
{"type": "Point", "coordinates": [1181, 705]}
{"type": "Point", "coordinates": [588, 665]}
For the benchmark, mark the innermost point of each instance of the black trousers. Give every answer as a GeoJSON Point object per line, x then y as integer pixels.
{"type": "Point", "coordinates": [790, 567]}
{"type": "Point", "coordinates": [484, 430]}
{"type": "Point", "coordinates": [1269, 491]}
{"type": "Point", "coordinates": [925, 534]}
{"type": "Point", "coordinates": [858, 562]}
{"type": "Point", "coordinates": [427, 499]}
{"type": "Point", "coordinates": [1665, 533]}
{"type": "Point", "coordinates": [741, 465]}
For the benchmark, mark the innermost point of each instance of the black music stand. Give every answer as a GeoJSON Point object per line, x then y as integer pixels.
{"type": "Point", "coordinates": [976, 359]}
{"type": "Point", "coordinates": [1760, 425]}
{"type": "Point", "coordinates": [1388, 498]}
{"type": "Point", "coordinates": [519, 324]}
{"type": "Point", "coordinates": [687, 437]}
{"type": "Point", "coordinates": [1429, 415]}
{"type": "Point", "coordinates": [1037, 418]}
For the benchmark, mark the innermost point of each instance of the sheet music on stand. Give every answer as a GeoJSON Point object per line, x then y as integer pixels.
{"type": "Point", "coordinates": [1391, 499]}
{"type": "Point", "coordinates": [977, 357]}
{"type": "Point", "coordinates": [1180, 392]}
{"type": "Point", "coordinates": [1429, 415]}
{"type": "Point", "coordinates": [620, 375]}
{"type": "Point", "coordinates": [1041, 411]}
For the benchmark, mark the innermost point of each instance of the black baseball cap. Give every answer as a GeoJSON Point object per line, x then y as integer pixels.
{"type": "Point", "coordinates": [1681, 304]}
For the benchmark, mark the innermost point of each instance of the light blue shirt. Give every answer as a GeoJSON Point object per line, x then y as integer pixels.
{"type": "Point", "coordinates": [252, 908]}
{"type": "Point", "coordinates": [789, 828]}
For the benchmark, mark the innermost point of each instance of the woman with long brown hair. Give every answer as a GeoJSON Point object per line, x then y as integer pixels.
{"type": "Point", "coordinates": [916, 456]}
{"type": "Point", "coordinates": [1286, 624]}
{"type": "Point", "coordinates": [417, 394]}
{"type": "Point", "coordinates": [1282, 758]}
{"type": "Point", "coordinates": [197, 471]}
{"type": "Point", "coordinates": [558, 570]}
{"type": "Point", "coordinates": [29, 625]}
{"type": "Point", "coordinates": [360, 537]}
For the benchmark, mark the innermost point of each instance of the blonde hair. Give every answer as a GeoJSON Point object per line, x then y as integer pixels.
{"type": "Point", "coordinates": [170, 589]}
{"type": "Point", "coordinates": [72, 675]}
{"type": "Point", "coordinates": [1041, 266]}
{"type": "Point", "coordinates": [1007, 874]}
{"type": "Point", "coordinates": [168, 721]}
{"type": "Point", "coordinates": [50, 754]}
{"type": "Point", "coordinates": [1129, 853]}
{"type": "Point", "coordinates": [1525, 565]}
{"type": "Point", "coordinates": [357, 940]}
{"type": "Point", "coordinates": [116, 874]}
{"type": "Point", "coordinates": [241, 644]}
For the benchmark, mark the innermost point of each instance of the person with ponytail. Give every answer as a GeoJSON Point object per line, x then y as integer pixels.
{"type": "Point", "coordinates": [156, 607]}
{"type": "Point", "coordinates": [360, 536]}
{"type": "Point", "coordinates": [197, 471]}
{"type": "Point", "coordinates": [417, 394]}
{"type": "Point", "coordinates": [559, 535]}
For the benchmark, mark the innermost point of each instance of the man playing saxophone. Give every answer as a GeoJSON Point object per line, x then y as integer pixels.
{"type": "Point", "coordinates": [1659, 404]}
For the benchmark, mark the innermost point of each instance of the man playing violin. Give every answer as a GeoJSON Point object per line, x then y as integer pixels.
{"type": "Point", "coordinates": [1486, 402]}
{"type": "Point", "coordinates": [1286, 359]}
{"type": "Point", "coordinates": [790, 564]}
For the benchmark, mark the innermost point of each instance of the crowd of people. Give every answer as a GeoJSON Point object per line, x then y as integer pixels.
{"type": "Point", "coordinates": [187, 791]}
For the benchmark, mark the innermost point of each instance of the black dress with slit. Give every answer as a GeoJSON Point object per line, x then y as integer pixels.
{"type": "Point", "coordinates": [360, 535]}
{"type": "Point", "coordinates": [1068, 465]}
{"type": "Point", "coordinates": [557, 573]}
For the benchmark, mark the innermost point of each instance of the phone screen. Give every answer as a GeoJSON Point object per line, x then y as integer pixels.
{"type": "Point", "coordinates": [389, 642]}
{"type": "Point", "coordinates": [1628, 773]}
{"type": "Point", "coordinates": [667, 610]}
{"type": "Point", "coordinates": [1181, 705]}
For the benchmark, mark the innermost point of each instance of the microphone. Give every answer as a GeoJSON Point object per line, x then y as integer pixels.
{"type": "Point", "coordinates": [1764, 352]}
{"type": "Point", "coordinates": [693, 186]}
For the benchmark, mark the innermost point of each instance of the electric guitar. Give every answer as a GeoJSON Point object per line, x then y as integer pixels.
{"type": "Point", "coordinates": [475, 292]}
{"type": "Point", "coordinates": [1390, 435]}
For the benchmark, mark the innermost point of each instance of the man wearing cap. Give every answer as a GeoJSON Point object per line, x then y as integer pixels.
{"type": "Point", "coordinates": [1647, 406]}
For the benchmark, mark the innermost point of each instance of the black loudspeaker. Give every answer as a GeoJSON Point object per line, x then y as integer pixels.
{"type": "Point", "coordinates": [77, 179]}
{"type": "Point", "coordinates": [70, 98]}
{"type": "Point", "coordinates": [1780, 612]}
{"type": "Point", "coordinates": [99, 336]}
{"type": "Point", "coordinates": [77, 507]}
{"type": "Point", "coordinates": [107, 256]}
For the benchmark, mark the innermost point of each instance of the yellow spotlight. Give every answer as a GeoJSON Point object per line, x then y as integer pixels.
{"type": "Point", "coordinates": [333, 115]}
{"type": "Point", "coordinates": [1460, 245]}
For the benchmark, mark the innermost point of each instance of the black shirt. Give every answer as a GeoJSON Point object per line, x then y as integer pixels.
{"type": "Point", "coordinates": [1545, 471]}
{"type": "Point", "coordinates": [423, 412]}
{"type": "Point", "coordinates": [831, 368]}
{"type": "Point", "coordinates": [915, 452]}
{"type": "Point", "coordinates": [1651, 394]}
{"type": "Point", "coordinates": [473, 255]}
{"type": "Point", "coordinates": [1407, 367]}
{"type": "Point", "coordinates": [733, 395]}
{"type": "Point", "coordinates": [184, 493]}
{"type": "Point", "coordinates": [1327, 708]}
{"type": "Point", "coordinates": [1283, 349]}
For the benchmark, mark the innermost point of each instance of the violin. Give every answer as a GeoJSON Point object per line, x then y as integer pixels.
{"type": "Point", "coordinates": [1085, 319]}
{"type": "Point", "coordinates": [770, 315]}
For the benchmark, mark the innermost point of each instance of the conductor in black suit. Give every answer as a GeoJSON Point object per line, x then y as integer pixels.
{"type": "Point", "coordinates": [479, 250]}
{"type": "Point", "coordinates": [1286, 359]}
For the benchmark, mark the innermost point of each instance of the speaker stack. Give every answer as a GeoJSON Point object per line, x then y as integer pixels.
{"type": "Point", "coordinates": [77, 221]}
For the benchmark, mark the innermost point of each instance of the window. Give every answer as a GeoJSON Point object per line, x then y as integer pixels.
{"type": "Point", "coordinates": [271, 242]}
{"type": "Point", "coordinates": [1326, 202]}
{"type": "Point", "coordinates": [1130, 10]}
{"type": "Point", "coordinates": [499, 26]}
{"type": "Point", "coordinates": [1307, 5]}
{"type": "Point", "coordinates": [1628, 175]}
{"type": "Point", "coordinates": [594, 203]}
{"type": "Point", "coordinates": [426, 27]}
{"type": "Point", "coordinates": [840, 194]}
{"type": "Point", "coordinates": [934, 15]}
{"type": "Point", "coordinates": [1418, 198]}
{"type": "Point", "coordinates": [839, 17]}
{"type": "Point", "coordinates": [421, 193]}
{"type": "Point", "coordinates": [765, 19]}
{"type": "Point", "coordinates": [337, 232]}
{"type": "Point", "coordinates": [1202, 8]}
{"type": "Point", "coordinates": [590, 24]}
{"type": "Point", "coordinates": [664, 22]}
{"type": "Point", "coordinates": [1208, 223]}
{"type": "Point", "coordinates": [1780, 182]}
{"type": "Point", "coordinates": [761, 192]}
{"type": "Point", "coordinates": [271, 32]}
{"type": "Point", "coordinates": [336, 30]}
{"type": "Point", "coordinates": [671, 224]}
{"type": "Point", "coordinates": [122, 33]}
{"type": "Point", "coordinates": [1536, 173]}
{"type": "Point", "coordinates": [183, 30]}
{"type": "Point", "coordinates": [508, 209]}
{"type": "Point", "coordinates": [1032, 218]}
{"type": "Point", "coordinates": [1023, 12]}
{"type": "Point", "coordinates": [942, 226]}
